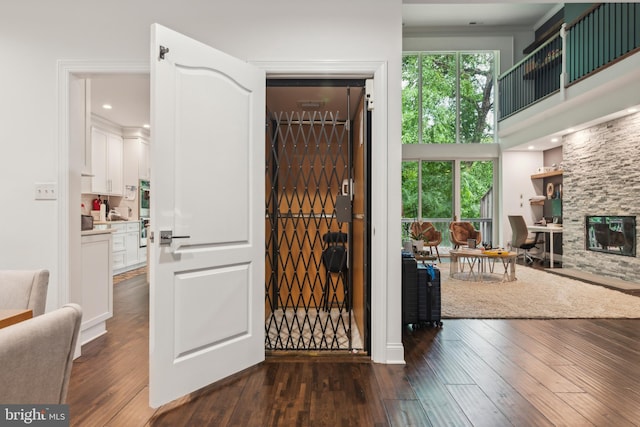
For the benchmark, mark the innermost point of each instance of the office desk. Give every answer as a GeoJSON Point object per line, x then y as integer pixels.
{"type": "Point", "coordinates": [551, 231]}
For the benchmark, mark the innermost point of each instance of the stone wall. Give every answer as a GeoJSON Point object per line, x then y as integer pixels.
{"type": "Point", "coordinates": [601, 177]}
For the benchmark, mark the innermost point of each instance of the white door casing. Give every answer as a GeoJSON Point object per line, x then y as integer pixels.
{"type": "Point", "coordinates": [207, 152]}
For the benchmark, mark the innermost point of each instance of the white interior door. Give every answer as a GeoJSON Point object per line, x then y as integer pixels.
{"type": "Point", "coordinates": [207, 176]}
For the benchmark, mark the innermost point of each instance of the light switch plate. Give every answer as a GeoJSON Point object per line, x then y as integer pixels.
{"type": "Point", "coordinates": [46, 191]}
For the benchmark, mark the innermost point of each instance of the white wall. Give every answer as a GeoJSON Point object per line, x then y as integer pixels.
{"type": "Point", "coordinates": [517, 188]}
{"type": "Point", "coordinates": [35, 35]}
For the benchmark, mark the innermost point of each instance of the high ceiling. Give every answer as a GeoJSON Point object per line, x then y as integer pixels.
{"type": "Point", "coordinates": [129, 94]}
{"type": "Point", "coordinates": [473, 15]}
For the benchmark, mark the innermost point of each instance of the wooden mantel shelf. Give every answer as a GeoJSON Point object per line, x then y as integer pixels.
{"type": "Point", "coordinates": [546, 174]}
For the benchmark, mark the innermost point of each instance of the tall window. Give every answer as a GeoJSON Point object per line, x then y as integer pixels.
{"type": "Point", "coordinates": [448, 98]}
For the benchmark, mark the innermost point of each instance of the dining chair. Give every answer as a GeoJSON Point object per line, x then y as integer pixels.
{"type": "Point", "coordinates": [26, 289]}
{"type": "Point", "coordinates": [36, 356]}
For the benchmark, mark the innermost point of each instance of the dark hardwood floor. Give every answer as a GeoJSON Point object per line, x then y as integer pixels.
{"type": "Point", "coordinates": [469, 373]}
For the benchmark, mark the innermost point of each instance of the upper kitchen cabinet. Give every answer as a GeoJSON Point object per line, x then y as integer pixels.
{"type": "Point", "coordinates": [136, 160]}
{"type": "Point", "coordinates": [107, 159]}
{"type": "Point", "coordinates": [144, 170]}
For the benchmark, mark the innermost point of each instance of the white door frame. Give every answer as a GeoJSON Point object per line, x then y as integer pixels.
{"type": "Point", "coordinates": [69, 172]}
{"type": "Point", "coordinates": [381, 351]}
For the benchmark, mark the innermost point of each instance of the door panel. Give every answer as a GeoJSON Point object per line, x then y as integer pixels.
{"type": "Point", "coordinates": [205, 297]}
{"type": "Point", "coordinates": [219, 154]}
{"type": "Point", "coordinates": [207, 155]}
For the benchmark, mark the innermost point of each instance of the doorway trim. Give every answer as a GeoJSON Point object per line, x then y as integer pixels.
{"type": "Point", "coordinates": [69, 171]}
{"type": "Point", "coordinates": [381, 350]}
{"type": "Point", "coordinates": [69, 177]}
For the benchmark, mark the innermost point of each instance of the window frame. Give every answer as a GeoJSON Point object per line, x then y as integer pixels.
{"type": "Point", "coordinates": [458, 54]}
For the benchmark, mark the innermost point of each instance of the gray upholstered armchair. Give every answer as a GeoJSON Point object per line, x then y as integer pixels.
{"type": "Point", "coordinates": [36, 357]}
{"type": "Point", "coordinates": [26, 289]}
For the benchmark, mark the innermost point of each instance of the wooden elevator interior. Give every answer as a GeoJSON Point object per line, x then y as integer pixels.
{"type": "Point", "coordinates": [316, 168]}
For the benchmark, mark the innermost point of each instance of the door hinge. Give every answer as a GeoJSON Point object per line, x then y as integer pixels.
{"type": "Point", "coordinates": [163, 52]}
{"type": "Point", "coordinates": [368, 91]}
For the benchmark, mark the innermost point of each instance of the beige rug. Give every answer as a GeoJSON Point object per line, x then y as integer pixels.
{"type": "Point", "coordinates": [536, 294]}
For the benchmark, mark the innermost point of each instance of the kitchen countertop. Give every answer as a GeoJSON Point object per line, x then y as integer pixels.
{"type": "Point", "coordinates": [114, 222]}
{"type": "Point", "coordinates": [96, 231]}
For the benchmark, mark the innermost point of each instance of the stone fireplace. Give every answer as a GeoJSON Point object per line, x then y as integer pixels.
{"type": "Point", "coordinates": [611, 234]}
{"type": "Point", "coordinates": [602, 179]}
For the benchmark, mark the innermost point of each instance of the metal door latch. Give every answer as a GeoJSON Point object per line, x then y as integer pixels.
{"type": "Point", "coordinates": [166, 236]}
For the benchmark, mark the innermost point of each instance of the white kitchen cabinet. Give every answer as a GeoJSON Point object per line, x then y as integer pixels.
{"type": "Point", "coordinates": [144, 168]}
{"type": "Point", "coordinates": [97, 284]}
{"type": "Point", "coordinates": [126, 242]}
{"type": "Point", "coordinates": [136, 160]}
{"type": "Point", "coordinates": [107, 160]}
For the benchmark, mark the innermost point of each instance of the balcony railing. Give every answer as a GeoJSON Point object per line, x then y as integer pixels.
{"type": "Point", "coordinates": [605, 34]}
{"type": "Point", "coordinates": [532, 79]}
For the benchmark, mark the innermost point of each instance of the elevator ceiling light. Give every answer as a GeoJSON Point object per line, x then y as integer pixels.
{"type": "Point", "coordinates": [310, 105]}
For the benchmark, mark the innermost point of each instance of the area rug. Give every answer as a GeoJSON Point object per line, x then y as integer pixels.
{"type": "Point", "coordinates": [313, 330]}
{"type": "Point", "coordinates": [534, 295]}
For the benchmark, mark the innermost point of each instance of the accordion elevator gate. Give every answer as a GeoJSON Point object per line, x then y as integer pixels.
{"type": "Point", "coordinates": [316, 256]}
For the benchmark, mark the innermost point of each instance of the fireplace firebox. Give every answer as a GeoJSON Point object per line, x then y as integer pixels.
{"type": "Point", "coordinates": [611, 234]}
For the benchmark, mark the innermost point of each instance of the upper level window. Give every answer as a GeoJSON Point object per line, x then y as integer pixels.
{"type": "Point", "coordinates": [447, 98]}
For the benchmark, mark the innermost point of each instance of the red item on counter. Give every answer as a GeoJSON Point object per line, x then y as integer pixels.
{"type": "Point", "coordinates": [96, 204]}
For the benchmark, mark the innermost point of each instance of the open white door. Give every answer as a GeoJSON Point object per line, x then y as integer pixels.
{"type": "Point", "coordinates": [207, 178]}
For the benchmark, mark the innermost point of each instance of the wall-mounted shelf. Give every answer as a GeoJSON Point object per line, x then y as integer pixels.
{"type": "Point", "coordinates": [546, 174]}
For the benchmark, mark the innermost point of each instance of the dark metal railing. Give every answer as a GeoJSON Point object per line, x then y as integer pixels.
{"type": "Point", "coordinates": [603, 35]}
{"type": "Point", "coordinates": [532, 79]}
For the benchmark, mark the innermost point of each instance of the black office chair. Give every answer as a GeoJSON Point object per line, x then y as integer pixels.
{"type": "Point", "coordinates": [334, 259]}
{"type": "Point", "coordinates": [520, 238]}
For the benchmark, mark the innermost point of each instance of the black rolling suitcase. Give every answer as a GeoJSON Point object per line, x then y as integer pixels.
{"type": "Point", "coordinates": [409, 289]}
{"type": "Point", "coordinates": [429, 304]}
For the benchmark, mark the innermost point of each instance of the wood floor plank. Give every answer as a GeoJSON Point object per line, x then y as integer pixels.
{"type": "Point", "coordinates": [595, 410]}
{"type": "Point", "coordinates": [543, 399]}
{"type": "Point", "coordinates": [470, 372]}
{"type": "Point", "coordinates": [134, 413]}
{"type": "Point", "coordinates": [405, 413]}
{"type": "Point", "coordinates": [441, 408]}
{"type": "Point", "coordinates": [477, 406]}
{"type": "Point", "coordinates": [605, 391]}
{"type": "Point", "coordinates": [393, 382]}
{"type": "Point", "coordinates": [579, 351]}
{"type": "Point", "coordinates": [539, 370]}
{"type": "Point", "coordinates": [510, 402]}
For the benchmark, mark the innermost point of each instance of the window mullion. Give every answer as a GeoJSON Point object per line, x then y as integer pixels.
{"type": "Point", "coordinates": [420, 116]}
{"type": "Point", "coordinates": [419, 213]}
{"type": "Point", "coordinates": [457, 97]}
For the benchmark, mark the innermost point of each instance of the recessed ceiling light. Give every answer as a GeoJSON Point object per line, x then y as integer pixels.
{"type": "Point", "coordinates": [632, 110]}
{"type": "Point", "coordinates": [554, 139]}
{"type": "Point", "coordinates": [146, 126]}
{"type": "Point", "coordinates": [531, 147]}
{"type": "Point", "coordinates": [107, 106]}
